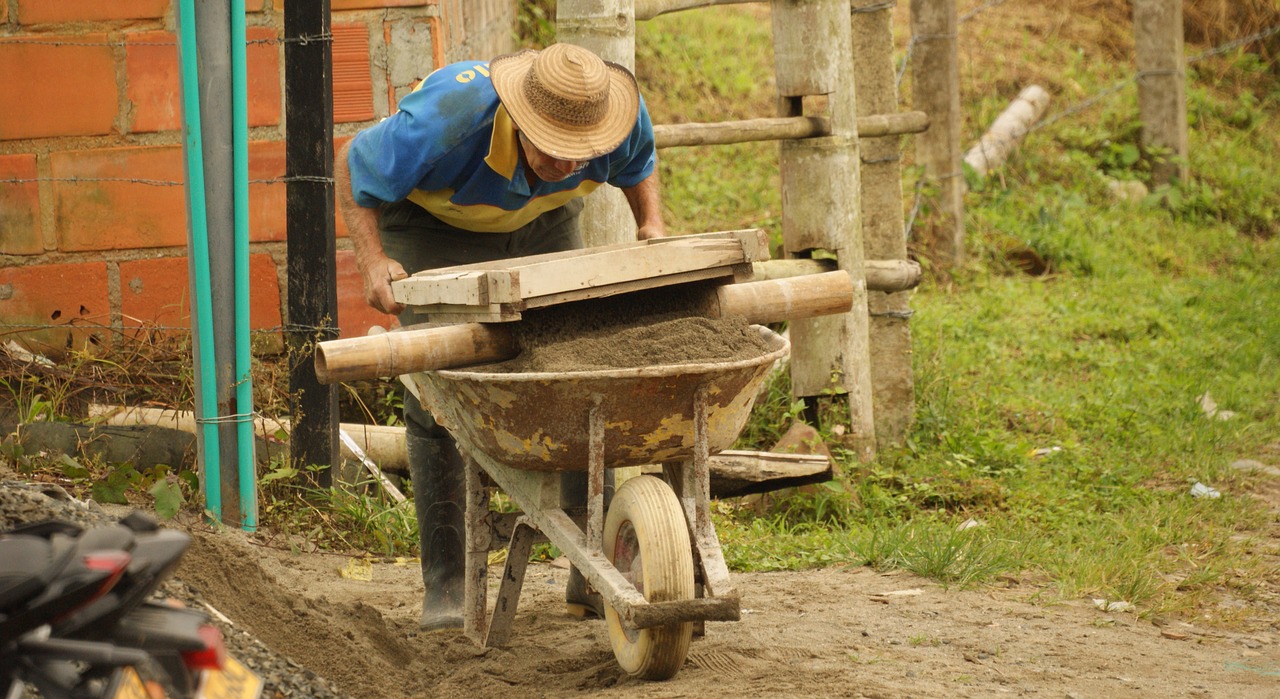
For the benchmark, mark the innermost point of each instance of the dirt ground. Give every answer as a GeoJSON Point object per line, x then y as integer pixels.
{"type": "Point", "coordinates": [839, 632]}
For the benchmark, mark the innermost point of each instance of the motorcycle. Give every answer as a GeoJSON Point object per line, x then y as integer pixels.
{"type": "Point", "coordinates": [79, 618]}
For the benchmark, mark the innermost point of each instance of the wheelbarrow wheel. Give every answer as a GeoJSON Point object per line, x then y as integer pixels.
{"type": "Point", "coordinates": [647, 540]}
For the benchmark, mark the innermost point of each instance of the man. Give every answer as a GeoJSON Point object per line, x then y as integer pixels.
{"type": "Point", "coordinates": [485, 161]}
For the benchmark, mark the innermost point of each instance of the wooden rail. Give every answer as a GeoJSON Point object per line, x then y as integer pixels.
{"type": "Point", "coordinates": [779, 128]}
{"type": "Point", "coordinates": [648, 9]}
{"type": "Point", "coordinates": [888, 276]}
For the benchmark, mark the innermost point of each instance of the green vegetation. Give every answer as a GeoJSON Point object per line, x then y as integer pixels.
{"type": "Point", "coordinates": [1060, 424]}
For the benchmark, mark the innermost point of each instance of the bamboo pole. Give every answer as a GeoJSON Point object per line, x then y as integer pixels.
{"type": "Point", "coordinates": [882, 275]}
{"type": "Point", "coordinates": [1007, 130]}
{"type": "Point", "coordinates": [782, 128]}
{"type": "Point", "coordinates": [1162, 73]}
{"type": "Point", "coordinates": [648, 9]}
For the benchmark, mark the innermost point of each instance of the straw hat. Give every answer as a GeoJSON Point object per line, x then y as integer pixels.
{"type": "Point", "coordinates": [571, 104]}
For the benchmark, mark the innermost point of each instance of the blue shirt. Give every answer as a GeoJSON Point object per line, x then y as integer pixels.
{"type": "Point", "coordinates": [452, 149]}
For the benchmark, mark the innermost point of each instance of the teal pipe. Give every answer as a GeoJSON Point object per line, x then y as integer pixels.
{"type": "Point", "coordinates": [192, 144]}
{"type": "Point", "coordinates": [240, 171]}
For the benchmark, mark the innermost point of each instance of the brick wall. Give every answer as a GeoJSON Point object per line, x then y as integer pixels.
{"type": "Point", "coordinates": [92, 209]}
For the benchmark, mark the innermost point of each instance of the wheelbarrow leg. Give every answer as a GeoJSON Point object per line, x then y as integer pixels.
{"type": "Point", "coordinates": [474, 602]}
{"type": "Point", "coordinates": [504, 608]}
{"type": "Point", "coordinates": [692, 482]}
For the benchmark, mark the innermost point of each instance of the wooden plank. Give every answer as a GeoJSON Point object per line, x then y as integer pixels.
{"type": "Point", "coordinates": [635, 285]}
{"type": "Point", "coordinates": [735, 473]}
{"type": "Point", "coordinates": [478, 287]}
{"type": "Point", "coordinates": [618, 266]}
{"type": "Point", "coordinates": [457, 313]}
{"type": "Point", "coordinates": [465, 288]}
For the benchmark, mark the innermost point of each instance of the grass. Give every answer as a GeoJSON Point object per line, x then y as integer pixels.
{"type": "Point", "coordinates": [1059, 416]}
{"type": "Point", "coordinates": [1064, 411]}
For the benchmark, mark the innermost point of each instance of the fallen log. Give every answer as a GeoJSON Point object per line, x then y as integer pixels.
{"type": "Point", "coordinates": [141, 446]}
{"type": "Point", "coordinates": [384, 445]}
{"type": "Point", "coordinates": [1007, 130]}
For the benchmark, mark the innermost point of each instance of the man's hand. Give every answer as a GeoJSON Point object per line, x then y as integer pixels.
{"type": "Point", "coordinates": [378, 274]}
{"type": "Point", "coordinates": [651, 231]}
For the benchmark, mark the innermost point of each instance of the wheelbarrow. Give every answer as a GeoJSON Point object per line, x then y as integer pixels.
{"type": "Point", "coordinates": [654, 555]}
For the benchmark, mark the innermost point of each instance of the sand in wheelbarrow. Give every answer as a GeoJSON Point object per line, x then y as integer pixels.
{"type": "Point", "coordinates": [637, 330]}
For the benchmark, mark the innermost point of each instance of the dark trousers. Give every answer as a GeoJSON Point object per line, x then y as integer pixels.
{"type": "Point", "coordinates": [419, 241]}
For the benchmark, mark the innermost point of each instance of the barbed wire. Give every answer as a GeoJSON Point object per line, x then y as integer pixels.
{"type": "Point", "coordinates": [979, 10]}
{"type": "Point", "coordinates": [876, 7]}
{"type": "Point", "coordinates": [145, 327]}
{"type": "Point", "coordinates": [906, 57]}
{"type": "Point", "coordinates": [304, 40]}
{"type": "Point", "coordinates": [160, 183]}
{"type": "Point", "coordinates": [1235, 44]}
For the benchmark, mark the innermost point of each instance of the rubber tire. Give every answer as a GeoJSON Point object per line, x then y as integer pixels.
{"type": "Point", "coordinates": [645, 517]}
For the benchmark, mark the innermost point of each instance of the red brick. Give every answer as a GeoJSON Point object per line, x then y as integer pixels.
{"type": "Point", "coordinates": [152, 72]}
{"type": "Point", "coordinates": [151, 64]}
{"type": "Point", "coordinates": [355, 317]}
{"type": "Point", "coordinates": [67, 303]}
{"type": "Point", "coordinates": [138, 200]}
{"type": "Point", "coordinates": [352, 84]}
{"type": "Point", "coordinates": [20, 232]}
{"type": "Point", "coordinates": [267, 205]}
{"type": "Point", "coordinates": [4, 12]}
{"type": "Point", "coordinates": [267, 196]}
{"type": "Point", "coordinates": [157, 293]}
{"type": "Point", "coordinates": [262, 74]}
{"type": "Point", "coordinates": [45, 11]}
{"type": "Point", "coordinates": [64, 86]}
{"type": "Point", "coordinates": [336, 5]}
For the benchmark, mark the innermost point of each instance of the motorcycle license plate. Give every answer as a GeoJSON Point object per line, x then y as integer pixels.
{"type": "Point", "coordinates": [233, 681]}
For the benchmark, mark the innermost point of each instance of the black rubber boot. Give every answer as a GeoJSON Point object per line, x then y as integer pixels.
{"type": "Point", "coordinates": [439, 492]}
{"type": "Point", "coordinates": [579, 600]}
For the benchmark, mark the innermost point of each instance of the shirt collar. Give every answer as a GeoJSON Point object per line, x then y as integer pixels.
{"type": "Point", "coordinates": [503, 157]}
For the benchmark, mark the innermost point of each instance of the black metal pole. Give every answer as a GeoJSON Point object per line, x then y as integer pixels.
{"type": "Point", "coordinates": [312, 289]}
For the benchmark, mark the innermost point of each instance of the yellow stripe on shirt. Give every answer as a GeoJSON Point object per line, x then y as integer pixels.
{"type": "Point", "coordinates": [486, 218]}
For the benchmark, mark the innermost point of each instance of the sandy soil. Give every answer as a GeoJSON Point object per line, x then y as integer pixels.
{"type": "Point", "coordinates": [841, 632]}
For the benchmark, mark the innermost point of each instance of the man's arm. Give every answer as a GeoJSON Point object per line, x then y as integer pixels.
{"type": "Point", "coordinates": [645, 201]}
{"type": "Point", "coordinates": [375, 267]}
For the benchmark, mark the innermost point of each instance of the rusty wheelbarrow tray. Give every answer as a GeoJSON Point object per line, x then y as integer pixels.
{"type": "Point", "coordinates": [524, 429]}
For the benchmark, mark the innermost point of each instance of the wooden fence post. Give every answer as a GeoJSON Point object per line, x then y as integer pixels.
{"type": "Point", "coordinates": [1162, 100]}
{"type": "Point", "coordinates": [813, 56]}
{"type": "Point", "coordinates": [608, 28]}
{"type": "Point", "coordinates": [892, 380]}
{"type": "Point", "coordinates": [935, 82]}
{"type": "Point", "coordinates": [309, 201]}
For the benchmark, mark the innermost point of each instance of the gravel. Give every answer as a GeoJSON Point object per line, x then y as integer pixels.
{"type": "Point", "coordinates": [22, 502]}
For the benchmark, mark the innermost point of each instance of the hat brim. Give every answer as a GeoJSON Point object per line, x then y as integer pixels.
{"type": "Point", "coordinates": [558, 139]}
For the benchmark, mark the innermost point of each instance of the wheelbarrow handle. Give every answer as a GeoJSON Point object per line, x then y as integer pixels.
{"type": "Point", "coordinates": [413, 350]}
